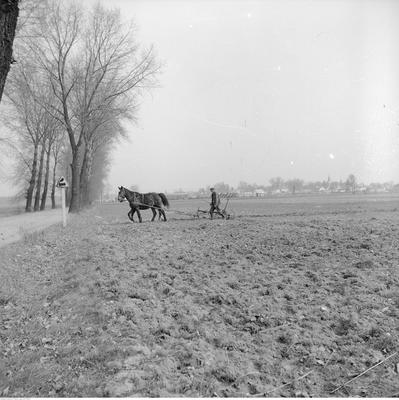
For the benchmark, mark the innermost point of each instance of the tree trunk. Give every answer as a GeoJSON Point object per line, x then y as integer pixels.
{"type": "Point", "coordinates": [39, 180]}
{"type": "Point", "coordinates": [53, 205]}
{"type": "Point", "coordinates": [8, 22]}
{"type": "Point", "coordinates": [29, 194]}
{"type": "Point", "coordinates": [47, 173]}
{"type": "Point", "coordinates": [85, 175]}
{"type": "Point", "coordinates": [87, 193]}
{"type": "Point", "coordinates": [74, 206]}
{"type": "Point", "coordinates": [82, 177]}
{"type": "Point", "coordinates": [68, 190]}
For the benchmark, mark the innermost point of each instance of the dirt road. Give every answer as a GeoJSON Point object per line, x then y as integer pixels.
{"type": "Point", "coordinates": [14, 228]}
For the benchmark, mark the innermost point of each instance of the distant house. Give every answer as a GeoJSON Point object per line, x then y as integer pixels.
{"type": "Point", "coordinates": [361, 189]}
{"type": "Point", "coordinates": [260, 193]}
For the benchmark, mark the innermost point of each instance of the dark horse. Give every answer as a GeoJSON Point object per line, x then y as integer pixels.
{"type": "Point", "coordinates": [143, 201]}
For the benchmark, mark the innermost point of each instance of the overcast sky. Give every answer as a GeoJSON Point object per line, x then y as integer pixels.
{"type": "Point", "coordinates": [257, 89]}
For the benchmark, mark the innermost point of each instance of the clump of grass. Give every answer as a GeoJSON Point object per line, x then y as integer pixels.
{"type": "Point", "coordinates": [137, 293]}
{"type": "Point", "coordinates": [185, 357]}
{"type": "Point", "coordinates": [216, 299]}
{"type": "Point", "coordinates": [343, 326]}
{"type": "Point", "coordinates": [395, 300]}
{"type": "Point", "coordinates": [161, 333]}
{"type": "Point", "coordinates": [126, 312]}
{"type": "Point", "coordinates": [4, 300]}
{"type": "Point", "coordinates": [225, 373]}
{"type": "Point", "coordinates": [366, 264]}
{"type": "Point", "coordinates": [31, 238]}
{"type": "Point", "coordinates": [201, 387]}
{"type": "Point", "coordinates": [312, 276]}
{"type": "Point", "coordinates": [373, 332]}
{"type": "Point", "coordinates": [233, 285]}
{"type": "Point", "coordinates": [285, 338]}
{"type": "Point", "coordinates": [340, 289]}
{"type": "Point", "coordinates": [266, 291]}
{"type": "Point", "coordinates": [384, 343]}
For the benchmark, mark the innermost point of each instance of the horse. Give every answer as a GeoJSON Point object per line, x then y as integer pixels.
{"type": "Point", "coordinates": [143, 201]}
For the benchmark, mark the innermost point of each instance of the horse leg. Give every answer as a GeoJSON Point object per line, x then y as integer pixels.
{"type": "Point", "coordinates": [154, 214]}
{"type": "Point", "coordinates": [139, 214]}
{"type": "Point", "coordinates": [130, 214]}
{"type": "Point", "coordinates": [164, 215]}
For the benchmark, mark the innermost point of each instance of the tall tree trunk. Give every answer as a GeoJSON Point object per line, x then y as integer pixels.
{"type": "Point", "coordinates": [8, 22]}
{"type": "Point", "coordinates": [46, 176]}
{"type": "Point", "coordinates": [53, 205]}
{"type": "Point", "coordinates": [29, 194]}
{"type": "Point", "coordinates": [89, 165]}
{"type": "Point", "coordinates": [75, 184]}
{"type": "Point", "coordinates": [87, 193]}
{"type": "Point", "coordinates": [85, 175]}
{"type": "Point", "coordinates": [39, 179]}
{"type": "Point", "coordinates": [82, 176]}
{"type": "Point", "coordinates": [68, 190]}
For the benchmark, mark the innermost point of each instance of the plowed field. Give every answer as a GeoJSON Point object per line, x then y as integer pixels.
{"type": "Point", "coordinates": [293, 297]}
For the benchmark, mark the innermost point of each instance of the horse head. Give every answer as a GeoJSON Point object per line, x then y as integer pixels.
{"type": "Point", "coordinates": [121, 194]}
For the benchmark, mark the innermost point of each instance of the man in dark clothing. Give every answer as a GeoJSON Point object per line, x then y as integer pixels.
{"type": "Point", "coordinates": [215, 201]}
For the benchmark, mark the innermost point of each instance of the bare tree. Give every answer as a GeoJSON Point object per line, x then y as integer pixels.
{"type": "Point", "coordinates": [245, 187]}
{"type": "Point", "coordinates": [276, 183]}
{"type": "Point", "coordinates": [351, 183]}
{"type": "Point", "coordinates": [97, 148]}
{"type": "Point", "coordinates": [25, 119]}
{"type": "Point", "coordinates": [222, 187]}
{"type": "Point", "coordinates": [27, 19]}
{"type": "Point", "coordinates": [294, 185]}
{"type": "Point", "coordinates": [54, 134]}
{"type": "Point", "coordinates": [54, 42]}
{"type": "Point", "coordinates": [8, 22]}
{"type": "Point", "coordinates": [39, 175]}
{"type": "Point", "coordinates": [46, 174]}
{"type": "Point", "coordinates": [91, 70]}
{"type": "Point", "coordinates": [34, 127]}
{"type": "Point", "coordinates": [101, 162]}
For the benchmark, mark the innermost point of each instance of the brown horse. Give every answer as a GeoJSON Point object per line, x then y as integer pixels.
{"type": "Point", "coordinates": [143, 201]}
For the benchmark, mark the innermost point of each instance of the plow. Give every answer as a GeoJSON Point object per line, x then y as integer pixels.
{"type": "Point", "coordinates": [226, 214]}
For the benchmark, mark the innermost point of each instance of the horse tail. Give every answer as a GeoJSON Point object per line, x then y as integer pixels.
{"type": "Point", "coordinates": [164, 200]}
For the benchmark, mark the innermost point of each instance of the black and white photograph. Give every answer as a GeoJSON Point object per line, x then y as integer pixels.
{"type": "Point", "coordinates": [199, 198]}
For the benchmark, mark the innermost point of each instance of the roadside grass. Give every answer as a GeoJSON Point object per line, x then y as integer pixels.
{"type": "Point", "coordinates": [237, 308]}
{"type": "Point", "coordinates": [30, 238]}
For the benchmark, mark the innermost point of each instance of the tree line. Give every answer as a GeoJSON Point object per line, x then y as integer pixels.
{"type": "Point", "coordinates": [279, 185]}
{"type": "Point", "coordinates": [79, 74]}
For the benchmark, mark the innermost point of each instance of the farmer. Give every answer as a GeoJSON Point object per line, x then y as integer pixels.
{"type": "Point", "coordinates": [215, 201]}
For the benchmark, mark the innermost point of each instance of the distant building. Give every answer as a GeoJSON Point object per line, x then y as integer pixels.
{"type": "Point", "coordinates": [259, 193]}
